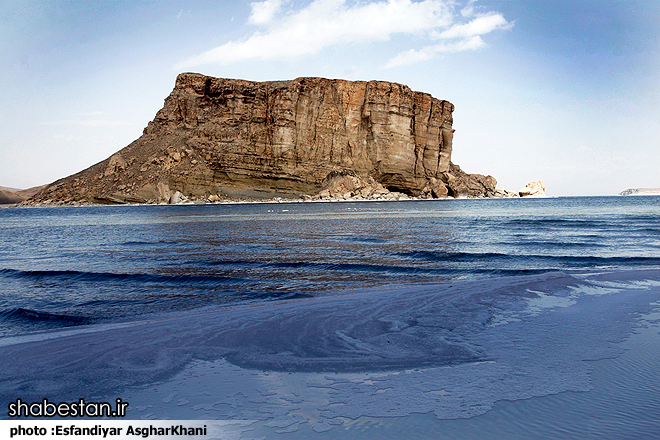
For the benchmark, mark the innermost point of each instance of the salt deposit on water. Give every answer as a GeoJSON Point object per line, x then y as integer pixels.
{"type": "Point", "coordinates": [388, 361]}
{"type": "Point", "coordinates": [326, 362]}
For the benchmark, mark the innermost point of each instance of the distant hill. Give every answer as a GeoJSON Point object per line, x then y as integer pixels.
{"type": "Point", "coordinates": [641, 192]}
{"type": "Point", "coordinates": [9, 196]}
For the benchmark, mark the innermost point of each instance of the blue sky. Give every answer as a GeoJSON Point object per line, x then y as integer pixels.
{"type": "Point", "coordinates": [563, 91]}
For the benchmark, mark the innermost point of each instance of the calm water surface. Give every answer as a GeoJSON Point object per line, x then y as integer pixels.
{"type": "Point", "coordinates": [67, 266]}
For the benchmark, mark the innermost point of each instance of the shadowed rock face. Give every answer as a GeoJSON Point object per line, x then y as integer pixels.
{"type": "Point", "coordinates": [10, 196]}
{"type": "Point", "coordinates": [224, 137]}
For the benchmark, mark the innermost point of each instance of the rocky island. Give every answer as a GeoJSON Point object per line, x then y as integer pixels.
{"type": "Point", "coordinates": [227, 139]}
{"type": "Point", "coordinates": [641, 192]}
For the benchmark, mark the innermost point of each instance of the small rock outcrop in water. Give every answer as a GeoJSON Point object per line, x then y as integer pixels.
{"type": "Point", "coordinates": [641, 192]}
{"type": "Point", "coordinates": [225, 139]}
{"type": "Point", "coordinates": [534, 189]}
{"type": "Point", "coordinates": [505, 193]}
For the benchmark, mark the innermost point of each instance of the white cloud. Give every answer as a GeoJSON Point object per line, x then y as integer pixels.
{"type": "Point", "coordinates": [468, 10]}
{"type": "Point", "coordinates": [429, 52]}
{"type": "Point", "coordinates": [325, 23]}
{"type": "Point", "coordinates": [479, 26]}
{"type": "Point", "coordinates": [264, 12]}
{"type": "Point", "coordinates": [457, 38]}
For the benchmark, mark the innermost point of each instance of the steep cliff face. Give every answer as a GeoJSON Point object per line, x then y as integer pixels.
{"type": "Point", "coordinates": [222, 138]}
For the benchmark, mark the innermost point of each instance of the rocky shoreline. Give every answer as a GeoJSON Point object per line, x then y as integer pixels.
{"type": "Point", "coordinates": [340, 189]}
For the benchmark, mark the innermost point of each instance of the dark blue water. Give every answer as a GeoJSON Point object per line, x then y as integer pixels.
{"type": "Point", "coordinates": [70, 266]}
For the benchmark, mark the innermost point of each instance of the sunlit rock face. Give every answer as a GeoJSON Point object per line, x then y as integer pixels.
{"type": "Point", "coordinates": [234, 138]}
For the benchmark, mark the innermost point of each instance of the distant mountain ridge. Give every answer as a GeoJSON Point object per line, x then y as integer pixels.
{"type": "Point", "coordinates": [641, 192]}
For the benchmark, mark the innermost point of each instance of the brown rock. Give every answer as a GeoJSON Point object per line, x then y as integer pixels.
{"type": "Point", "coordinates": [460, 184]}
{"type": "Point", "coordinates": [116, 164]}
{"type": "Point", "coordinates": [10, 196]}
{"type": "Point", "coordinates": [242, 139]}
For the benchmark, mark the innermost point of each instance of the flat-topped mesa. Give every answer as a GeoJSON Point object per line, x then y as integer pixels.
{"type": "Point", "coordinates": [226, 137]}
{"type": "Point", "coordinates": [292, 134]}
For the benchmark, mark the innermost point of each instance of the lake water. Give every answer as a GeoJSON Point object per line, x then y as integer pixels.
{"type": "Point", "coordinates": [409, 312]}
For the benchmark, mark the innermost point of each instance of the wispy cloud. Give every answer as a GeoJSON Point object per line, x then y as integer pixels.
{"type": "Point", "coordinates": [459, 37]}
{"type": "Point", "coordinates": [286, 33]}
{"type": "Point", "coordinates": [479, 26]}
{"type": "Point", "coordinates": [264, 12]}
{"type": "Point", "coordinates": [429, 52]}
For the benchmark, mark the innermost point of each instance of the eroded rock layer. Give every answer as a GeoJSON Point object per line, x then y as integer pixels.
{"type": "Point", "coordinates": [224, 138]}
